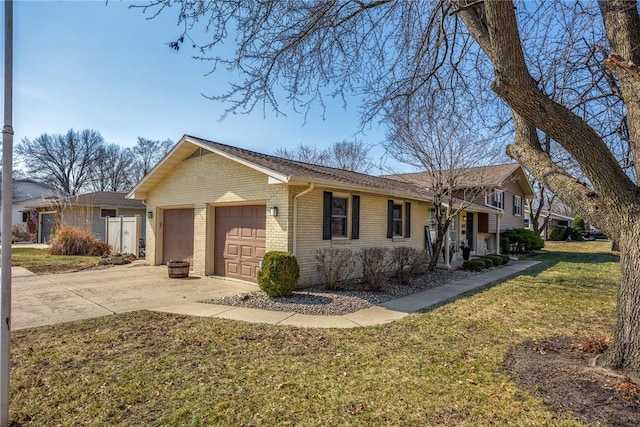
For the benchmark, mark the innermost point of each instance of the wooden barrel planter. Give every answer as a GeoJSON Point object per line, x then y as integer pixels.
{"type": "Point", "coordinates": [178, 269]}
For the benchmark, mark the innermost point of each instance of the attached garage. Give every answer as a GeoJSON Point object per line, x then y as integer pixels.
{"type": "Point", "coordinates": [177, 236]}
{"type": "Point", "coordinates": [239, 241]}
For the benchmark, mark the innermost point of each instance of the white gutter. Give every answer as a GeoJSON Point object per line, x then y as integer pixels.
{"type": "Point", "coordinates": [295, 216]}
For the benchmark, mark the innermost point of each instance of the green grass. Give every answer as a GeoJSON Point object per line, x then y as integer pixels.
{"type": "Point", "coordinates": [442, 367]}
{"type": "Point", "coordinates": [39, 261]}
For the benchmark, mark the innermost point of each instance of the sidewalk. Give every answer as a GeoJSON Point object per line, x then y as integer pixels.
{"type": "Point", "coordinates": [376, 315]}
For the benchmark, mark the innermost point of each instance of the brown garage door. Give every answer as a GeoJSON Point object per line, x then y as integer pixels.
{"type": "Point", "coordinates": [239, 241]}
{"type": "Point", "coordinates": [177, 237]}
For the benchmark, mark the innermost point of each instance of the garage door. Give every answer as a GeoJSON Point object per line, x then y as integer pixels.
{"type": "Point", "coordinates": [239, 241]}
{"type": "Point", "coordinates": [177, 237]}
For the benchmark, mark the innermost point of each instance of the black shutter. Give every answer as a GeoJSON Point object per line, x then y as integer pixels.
{"type": "Point", "coordinates": [326, 216]}
{"type": "Point", "coordinates": [389, 219]}
{"type": "Point", "coordinates": [407, 220]}
{"type": "Point", "coordinates": [514, 204]}
{"type": "Point", "coordinates": [355, 218]}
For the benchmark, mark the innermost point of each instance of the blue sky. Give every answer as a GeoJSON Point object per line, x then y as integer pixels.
{"type": "Point", "coordinates": [84, 64]}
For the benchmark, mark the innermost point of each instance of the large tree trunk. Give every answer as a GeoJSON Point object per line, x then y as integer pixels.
{"type": "Point", "coordinates": [613, 201]}
{"type": "Point", "coordinates": [624, 351]}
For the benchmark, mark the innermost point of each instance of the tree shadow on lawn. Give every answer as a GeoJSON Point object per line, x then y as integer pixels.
{"type": "Point", "coordinates": [560, 371]}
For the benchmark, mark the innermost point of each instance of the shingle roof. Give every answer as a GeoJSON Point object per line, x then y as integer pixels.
{"type": "Point", "coordinates": [487, 176]}
{"type": "Point", "coordinates": [115, 199]}
{"type": "Point", "coordinates": [313, 172]}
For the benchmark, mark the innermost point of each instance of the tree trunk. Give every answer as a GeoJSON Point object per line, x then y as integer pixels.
{"type": "Point", "coordinates": [624, 352]}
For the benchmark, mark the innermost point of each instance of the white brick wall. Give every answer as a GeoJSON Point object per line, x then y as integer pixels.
{"type": "Point", "coordinates": [203, 183]}
{"type": "Point", "coordinates": [212, 180]}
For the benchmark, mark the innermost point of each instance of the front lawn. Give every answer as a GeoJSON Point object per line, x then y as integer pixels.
{"type": "Point", "coordinates": [40, 262]}
{"type": "Point", "coordinates": [443, 367]}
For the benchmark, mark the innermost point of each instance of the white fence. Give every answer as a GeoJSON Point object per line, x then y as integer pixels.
{"type": "Point", "coordinates": [123, 234]}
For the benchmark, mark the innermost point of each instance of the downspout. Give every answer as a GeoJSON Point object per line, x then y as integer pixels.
{"type": "Point", "coordinates": [295, 217]}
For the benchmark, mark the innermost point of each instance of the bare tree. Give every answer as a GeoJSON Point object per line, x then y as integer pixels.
{"type": "Point", "coordinates": [113, 169]}
{"type": "Point", "coordinates": [347, 155]}
{"type": "Point", "coordinates": [389, 50]}
{"type": "Point", "coordinates": [444, 147]}
{"type": "Point", "coordinates": [64, 161]}
{"type": "Point", "coordinates": [147, 154]}
{"type": "Point", "coordinates": [350, 155]}
{"type": "Point", "coordinates": [304, 153]}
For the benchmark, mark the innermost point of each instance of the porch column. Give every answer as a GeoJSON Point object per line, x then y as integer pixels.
{"type": "Point", "coordinates": [497, 234]}
{"type": "Point", "coordinates": [447, 242]}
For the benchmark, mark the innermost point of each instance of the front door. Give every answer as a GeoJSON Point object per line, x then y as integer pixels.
{"type": "Point", "coordinates": [469, 233]}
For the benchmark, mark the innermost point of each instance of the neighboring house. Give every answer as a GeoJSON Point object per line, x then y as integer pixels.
{"type": "Point", "coordinates": [501, 188]}
{"type": "Point", "coordinates": [222, 208]}
{"type": "Point", "coordinates": [555, 219]}
{"type": "Point", "coordinates": [87, 211]}
{"type": "Point", "coordinates": [26, 192]}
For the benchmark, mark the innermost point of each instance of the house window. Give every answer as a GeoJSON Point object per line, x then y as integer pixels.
{"type": "Point", "coordinates": [397, 220]}
{"type": "Point", "coordinates": [496, 199]}
{"type": "Point", "coordinates": [108, 213]}
{"type": "Point", "coordinates": [526, 223]}
{"type": "Point", "coordinates": [25, 216]}
{"type": "Point", "coordinates": [517, 205]}
{"type": "Point", "coordinates": [339, 217]}
{"type": "Point", "coordinates": [336, 216]}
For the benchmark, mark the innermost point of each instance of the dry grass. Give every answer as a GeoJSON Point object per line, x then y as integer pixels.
{"type": "Point", "coordinates": [443, 367]}
{"type": "Point", "coordinates": [41, 262]}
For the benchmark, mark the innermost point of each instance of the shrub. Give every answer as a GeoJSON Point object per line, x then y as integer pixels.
{"type": "Point", "coordinates": [574, 234]}
{"type": "Point", "coordinates": [520, 240]}
{"type": "Point", "coordinates": [558, 233]}
{"type": "Point", "coordinates": [117, 259]}
{"type": "Point", "coordinates": [505, 259]}
{"type": "Point", "coordinates": [68, 240]}
{"type": "Point", "coordinates": [334, 265]}
{"type": "Point", "coordinates": [578, 224]}
{"type": "Point", "coordinates": [279, 274]}
{"type": "Point", "coordinates": [99, 249]}
{"type": "Point", "coordinates": [496, 260]}
{"type": "Point", "coordinates": [488, 263]}
{"type": "Point", "coordinates": [377, 267]}
{"type": "Point", "coordinates": [473, 265]}
{"type": "Point", "coordinates": [20, 234]}
{"type": "Point", "coordinates": [408, 261]}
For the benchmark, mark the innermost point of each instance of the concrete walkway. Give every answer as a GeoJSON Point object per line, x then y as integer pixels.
{"type": "Point", "coordinates": [57, 298]}
{"type": "Point", "coordinates": [376, 315]}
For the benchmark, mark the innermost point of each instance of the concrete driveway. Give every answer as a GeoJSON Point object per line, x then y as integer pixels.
{"type": "Point", "coordinates": [56, 298]}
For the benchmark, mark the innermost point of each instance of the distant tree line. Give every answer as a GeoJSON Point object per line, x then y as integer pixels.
{"type": "Point", "coordinates": [81, 161]}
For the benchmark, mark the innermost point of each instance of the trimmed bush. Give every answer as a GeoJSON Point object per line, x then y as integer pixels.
{"type": "Point", "coordinates": [68, 240]}
{"type": "Point", "coordinates": [377, 267]}
{"type": "Point", "coordinates": [99, 249]}
{"type": "Point", "coordinates": [520, 240]}
{"type": "Point", "coordinates": [495, 259]}
{"type": "Point", "coordinates": [491, 261]}
{"type": "Point", "coordinates": [505, 259]}
{"type": "Point", "coordinates": [578, 225]}
{"type": "Point", "coordinates": [558, 233]}
{"type": "Point", "coordinates": [334, 265]}
{"type": "Point", "coordinates": [279, 274]}
{"type": "Point", "coordinates": [408, 262]}
{"type": "Point", "coordinates": [474, 265]}
{"type": "Point", "coordinates": [488, 263]}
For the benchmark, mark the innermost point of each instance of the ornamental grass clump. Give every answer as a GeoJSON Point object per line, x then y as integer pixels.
{"type": "Point", "coordinates": [68, 240]}
{"type": "Point", "coordinates": [278, 276]}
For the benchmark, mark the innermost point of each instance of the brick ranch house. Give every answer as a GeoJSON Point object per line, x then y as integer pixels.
{"type": "Point", "coordinates": [223, 207]}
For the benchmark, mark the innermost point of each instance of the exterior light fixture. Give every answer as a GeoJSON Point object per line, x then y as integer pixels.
{"type": "Point", "coordinates": [274, 211]}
